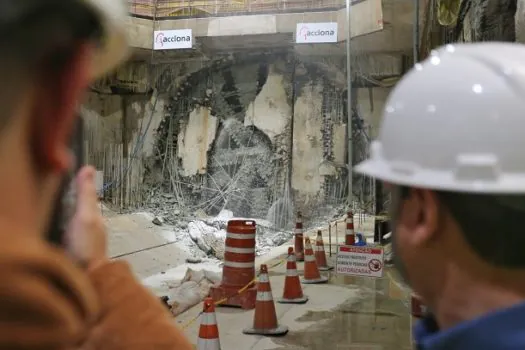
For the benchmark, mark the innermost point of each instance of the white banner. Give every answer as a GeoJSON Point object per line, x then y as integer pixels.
{"type": "Point", "coordinates": [172, 39]}
{"type": "Point", "coordinates": [360, 261]}
{"type": "Point", "coordinates": [307, 33]}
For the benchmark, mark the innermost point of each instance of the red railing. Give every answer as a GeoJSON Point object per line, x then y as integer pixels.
{"type": "Point", "coordinates": [203, 8]}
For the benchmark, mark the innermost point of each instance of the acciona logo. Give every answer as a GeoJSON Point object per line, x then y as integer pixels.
{"type": "Point", "coordinates": [306, 32]}
{"type": "Point", "coordinates": [173, 39]}
{"type": "Point", "coordinates": [316, 33]}
{"type": "Point", "coordinates": [162, 39]}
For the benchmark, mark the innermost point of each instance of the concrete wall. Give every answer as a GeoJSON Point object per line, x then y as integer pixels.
{"type": "Point", "coordinates": [371, 110]}
{"type": "Point", "coordinates": [270, 112]}
{"type": "Point", "coordinates": [105, 125]}
{"type": "Point", "coordinates": [307, 143]}
{"type": "Point", "coordinates": [306, 128]}
{"type": "Point", "coordinates": [195, 140]}
{"type": "Point", "coordinates": [120, 136]}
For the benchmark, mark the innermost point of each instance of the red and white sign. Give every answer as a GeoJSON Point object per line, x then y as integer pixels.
{"type": "Point", "coordinates": [360, 261]}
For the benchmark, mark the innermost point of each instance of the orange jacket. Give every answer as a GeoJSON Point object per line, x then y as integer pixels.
{"type": "Point", "coordinates": [46, 302]}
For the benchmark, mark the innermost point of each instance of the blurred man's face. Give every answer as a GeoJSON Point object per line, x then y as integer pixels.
{"type": "Point", "coordinates": [53, 99]}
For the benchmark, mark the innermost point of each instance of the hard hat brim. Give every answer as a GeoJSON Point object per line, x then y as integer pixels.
{"type": "Point", "coordinates": [370, 168]}
{"type": "Point", "coordinates": [114, 48]}
{"type": "Point", "coordinates": [440, 180]}
{"type": "Point", "coordinates": [114, 51]}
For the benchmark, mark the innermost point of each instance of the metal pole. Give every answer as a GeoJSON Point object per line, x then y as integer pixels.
{"type": "Point", "coordinates": [336, 236]}
{"type": "Point", "coordinates": [378, 211]}
{"type": "Point", "coordinates": [330, 238]}
{"type": "Point", "coordinates": [349, 100]}
{"type": "Point", "coordinates": [415, 34]}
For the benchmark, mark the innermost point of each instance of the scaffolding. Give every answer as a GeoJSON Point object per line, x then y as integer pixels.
{"type": "Point", "coordinates": [204, 8]}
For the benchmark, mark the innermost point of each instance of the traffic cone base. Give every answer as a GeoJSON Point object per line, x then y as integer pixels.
{"type": "Point", "coordinates": [244, 300]}
{"type": "Point", "coordinates": [280, 330]}
{"type": "Point", "coordinates": [208, 344]}
{"type": "Point", "coordinates": [322, 279]}
{"type": "Point", "coordinates": [301, 300]}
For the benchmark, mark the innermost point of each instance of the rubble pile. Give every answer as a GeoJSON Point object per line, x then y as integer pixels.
{"type": "Point", "coordinates": [208, 233]}
{"type": "Point", "coordinates": [205, 235]}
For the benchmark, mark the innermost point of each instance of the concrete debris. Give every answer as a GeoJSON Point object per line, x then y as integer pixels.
{"type": "Point", "coordinates": [267, 237]}
{"type": "Point", "coordinates": [158, 221]}
{"type": "Point", "coordinates": [193, 288]}
{"type": "Point", "coordinates": [198, 231]}
{"type": "Point", "coordinates": [209, 233]}
{"type": "Point", "coordinates": [200, 214]}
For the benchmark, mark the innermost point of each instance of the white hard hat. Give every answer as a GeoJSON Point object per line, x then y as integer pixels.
{"type": "Point", "coordinates": [114, 47]}
{"type": "Point", "coordinates": [456, 122]}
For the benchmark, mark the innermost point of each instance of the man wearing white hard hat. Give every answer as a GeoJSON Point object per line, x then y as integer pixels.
{"type": "Point", "coordinates": [69, 297]}
{"type": "Point", "coordinates": [451, 148]}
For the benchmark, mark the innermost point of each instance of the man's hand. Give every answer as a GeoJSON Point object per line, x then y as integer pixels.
{"type": "Point", "coordinates": [86, 239]}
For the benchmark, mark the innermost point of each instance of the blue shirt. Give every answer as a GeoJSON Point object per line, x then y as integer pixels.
{"type": "Point", "coordinates": [501, 330]}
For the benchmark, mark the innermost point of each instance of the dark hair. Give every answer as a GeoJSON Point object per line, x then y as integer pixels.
{"type": "Point", "coordinates": [37, 39]}
{"type": "Point", "coordinates": [492, 224]}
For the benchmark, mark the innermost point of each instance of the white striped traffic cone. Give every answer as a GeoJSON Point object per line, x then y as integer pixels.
{"type": "Point", "coordinates": [265, 318]}
{"type": "Point", "coordinates": [311, 271]}
{"type": "Point", "coordinates": [293, 292]}
{"type": "Point", "coordinates": [208, 331]}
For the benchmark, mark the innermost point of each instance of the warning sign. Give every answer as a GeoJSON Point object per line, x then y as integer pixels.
{"type": "Point", "coordinates": [360, 261]}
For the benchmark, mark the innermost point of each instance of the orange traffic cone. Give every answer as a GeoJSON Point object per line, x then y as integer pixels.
{"type": "Point", "coordinates": [265, 318]}
{"type": "Point", "coordinates": [320, 255]}
{"type": "Point", "coordinates": [349, 235]}
{"type": "Point", "coordinates": [311, 271]}
{"type": "Point", "coordinates": [239, 266]}
{"type": "Point", "coordinates": [293, 292]}
{"type": "Point", "coordinates": [298, 242]}
{"type": "Point", "coordinates": [208, 332]}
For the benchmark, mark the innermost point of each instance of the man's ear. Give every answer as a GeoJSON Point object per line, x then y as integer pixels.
{"type": "Point", "coordinates": [420, 214]}
{"type": "Point", "coordinates": [57, 96]}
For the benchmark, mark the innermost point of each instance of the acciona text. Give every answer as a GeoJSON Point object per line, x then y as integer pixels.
{"type": "Point", "coordinates": [320, 32]}
{"type": "Point", "coordinates": [175, 39]}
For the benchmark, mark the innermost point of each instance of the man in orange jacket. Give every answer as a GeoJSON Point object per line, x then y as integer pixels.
{"type": "Point", "coordinates": [72, 297]}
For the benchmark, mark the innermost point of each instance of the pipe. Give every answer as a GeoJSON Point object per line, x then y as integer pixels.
{"type": "Point", "coordinates": [415, 32]}
{"type": "Point", "coordinates": [349, 100]}
{"type": "Point", "coordinates": [330, 238]}
{"type": "Point", "coordinates": [292, 121]}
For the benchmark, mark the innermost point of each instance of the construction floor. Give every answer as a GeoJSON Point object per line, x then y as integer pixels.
{"type": "Point", "coordinates": [351, 313]}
